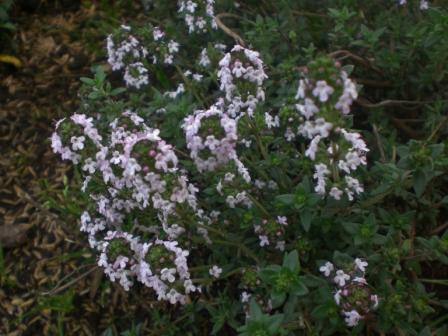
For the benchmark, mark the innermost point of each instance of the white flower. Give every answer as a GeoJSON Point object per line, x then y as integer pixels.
{"type": "Point", "coordinates": [271, 121]}
{"type": "Point", "coordinates": [89, 165]}
{"type": "Point", "coordinates": [215, 271]}
{"type": "Point", "coordinates": [322, 90]}
{"type": "Point", "coordinates": [313, 147]}
{"type": "Point", "coordinates": [168, 274]}
{"type": "Point", "coordinates": [157, 33]}
{"type": "Point", "coordinates": [197, 77]}
{"type": "Point", "coordinates": [352, 318]}
{"type": "Point", "coordinates": [301, 90]}
{"type": "Point", "coordinates": [77, 142]}
{"type": "Point", "coordinates": [337, 297]}
{"type": "Point", "coordinates": [204, 60]}
{"type": "Point", "coordinates": [360, 280]}
{"type": "Point", "coordinates": [245, 297]}
{"type": "Point", "coordinates": [308, 110]}
{"type": "Point", "coordinates": [336, 193]}
{"type": "Point", "coordinates": [327, 268]}
{"type": "Point", "coordinates": [173, 47]}
{"type": "Point", "coordinates": [189, 287]}
{"type": "Point", "coordinates": [424, 5]}
{"type": "Point", "coordinates": [340, 278]}
{"type": "Point", "coordinates": [282, 220]}
{"type": "Point", "coordinates": [361, 265]}
{"type": "Point", "coordinates": [136, 75]}
{"type": "Point", "coordinates": [263, 240]}
{"type": "Point", "coordinates": [174, 94]}
{"type": "Point", "coordinates": [280, 245]}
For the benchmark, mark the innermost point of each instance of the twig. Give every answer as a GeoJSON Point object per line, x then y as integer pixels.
{"type": "Point", "coordinates": [439, 126]}
{"type": "Point", "coordinates": [342, 54]}
{"type": "Point", "coordinates": [379, 143]}
{"type": "Point", "coordinates": [388, 102]}
{"type": "Point", "coordinates": [226, 29]}
{"type": "Point", "coordinates": [372, 82]}
{"type": "Point", "coordinates": [69, 284]}
{"type": "Point", "coordinates": [305, 13]}
{"type": "Point", "coordinates": [408, 130]}
{"type": "Point", "coordinates": [439, 228]}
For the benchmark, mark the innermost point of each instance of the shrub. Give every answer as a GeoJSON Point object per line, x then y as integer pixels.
{"type": "Point", "coordinates": [242, 179]}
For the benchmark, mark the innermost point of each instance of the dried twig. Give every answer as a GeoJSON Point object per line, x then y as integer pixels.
{"type": "Point", "coordinates": [306, 13]}
{"type": "Point", "coordinates": [439, 229]}
{"type": "Point", "coordinates": [389, 102]}
{"type": "Point", "coordinates": [372, 82]}
{"type": "Point", "coordinates": [379, 143]}
{"type": "Point", "coordinates": [343, 54]}
{"type": "Point", "coordinates": [58, 288]}
{"type": "Point", "coordinates": [226, 29]}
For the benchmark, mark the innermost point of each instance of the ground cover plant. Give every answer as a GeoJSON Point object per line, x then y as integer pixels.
{"type": "Point", "coordinates": [270, 168]}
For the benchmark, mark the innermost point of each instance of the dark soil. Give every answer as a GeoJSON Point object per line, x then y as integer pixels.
{"type": "Point", "coordinates": [49, 284]}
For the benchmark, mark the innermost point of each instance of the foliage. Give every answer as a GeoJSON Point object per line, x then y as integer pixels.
{"type": "Point", "coordinates": [300, 186]}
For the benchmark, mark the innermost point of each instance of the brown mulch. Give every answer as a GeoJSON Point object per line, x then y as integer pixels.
{"type": "Point", "coordinates": [49, 284]}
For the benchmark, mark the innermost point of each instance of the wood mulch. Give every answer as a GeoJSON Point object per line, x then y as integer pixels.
{"type": "Point", "coordinates": [49, 284]}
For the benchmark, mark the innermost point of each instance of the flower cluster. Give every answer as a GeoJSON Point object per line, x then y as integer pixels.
{"type": "Point", "coordinates": [211, 134]}
{"type": "Point", "coordinates": [272, 232]}
{"type": "Point", "coordinates": [199, 15]}
{"type": "Point", "coordinates": [241, 77]}
{"type": "Point", "coordinates": [250, 285]}
{"type": "Point", "coordinates": [127, 52]}
{"type": "Point", "coordinates": [139, 171]}
{"type": "Point", "coordinates": [323, 101]}
{"type": "Point", "coordinates": [160, 265]}
{"type": "Point", "coordinates": [211, 137]}
{"type": "Point", "coordinates": [353, 293]}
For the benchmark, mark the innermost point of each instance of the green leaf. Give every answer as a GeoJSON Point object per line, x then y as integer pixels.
{"type": "Point", "coordinates": [348, 68]}
{"type": "Point", "coordinates": [420, 182]}
{"type": "Point", "coordinates": [88, 81]}
{"type": "Point", "coordinates": [291, 261]}
{"type": "Point", "coordinates": [255, 310]}
{"type": "Point", "coordinates": [425, 332]}
{"type": "Point", "coordinates": [94, 95]}
{"type": "Point", "coordinates": [298, 288]}
{"type": "Point", "coordinates": [108, 332]}
{"type": "Point", "coordinates": [268, 273]}
{"type": "Point", "coordinates": [351, 228]}
{"type": "Point", "coordinates": [275, 323]}
{"type": "Point", "coordinates": [379, 239]}
{"type": "Point", "coordinates": [286, 199]}
{"type": "Point", "coordinates": [277, 298]}
{"type": "Point", "coordinates": [217, 326]}
{"type": "Point", "coordinates": [305, 219]}
{"type": "Point", "coordinates": [117, 91]}
{"type": "Point", "coordinates": [321, 312]}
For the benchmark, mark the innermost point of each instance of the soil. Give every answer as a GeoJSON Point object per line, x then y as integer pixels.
{"type": "Point", "coordinates": [49, 283]}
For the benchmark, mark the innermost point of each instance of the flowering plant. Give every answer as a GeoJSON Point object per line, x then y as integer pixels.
{"type": "Point", "coordinates": [224, 173]}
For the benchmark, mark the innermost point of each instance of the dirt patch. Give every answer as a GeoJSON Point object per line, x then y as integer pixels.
{"type": "Point", "coordinates": [48, 279]}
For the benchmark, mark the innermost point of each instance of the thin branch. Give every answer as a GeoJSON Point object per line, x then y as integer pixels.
{"type": "Point", "coordinates": [372, 82]}
{"type": "Point", "coordinates": [59, 289]}
{"type": "Point", "coordinates": [379, 143]}
{"type": "Point", "coordinates": [439, 229]}
{"type": "Point", "coordinates": [405, 128]}
{"type": "Point", "coordinates": [437, 129]}
{"type": "Point", "coordinates": [343, 54]}
{"type": "Point", "coordinates": [226, 29]}
{"type": "Point", "coordinates": [310, 14]}
{"type": "Point", "coordinates": [389, 102]}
